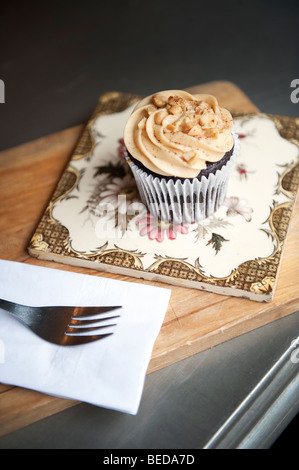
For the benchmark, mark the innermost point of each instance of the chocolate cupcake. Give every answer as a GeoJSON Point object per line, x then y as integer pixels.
{"type": "Point", "coordinates": [180, 149]}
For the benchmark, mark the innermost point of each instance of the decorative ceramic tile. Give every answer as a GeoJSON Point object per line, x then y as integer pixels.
{"type": "Point", "coordinates": [95, 218]}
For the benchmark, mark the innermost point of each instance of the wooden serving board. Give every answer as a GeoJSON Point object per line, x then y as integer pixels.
{"type": "Point", "coordinates": [195, 320]}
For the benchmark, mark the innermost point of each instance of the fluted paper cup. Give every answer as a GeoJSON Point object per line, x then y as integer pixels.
{"type": "Point", "coordinates": [184, 200]}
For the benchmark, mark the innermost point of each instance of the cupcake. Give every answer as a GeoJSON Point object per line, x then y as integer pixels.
{"type": "Point", "coordinates": [180, 148]}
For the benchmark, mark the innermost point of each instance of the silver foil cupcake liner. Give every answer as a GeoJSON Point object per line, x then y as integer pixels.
{"type": "Point", "coordinates": [186, 201]}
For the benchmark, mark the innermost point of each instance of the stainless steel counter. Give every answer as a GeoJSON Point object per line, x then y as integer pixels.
{"type": "Point", "coordinates": [240, 394]}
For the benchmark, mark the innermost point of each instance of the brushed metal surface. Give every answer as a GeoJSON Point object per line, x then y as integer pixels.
{"type": "Point", "coordinates": [193, 404]}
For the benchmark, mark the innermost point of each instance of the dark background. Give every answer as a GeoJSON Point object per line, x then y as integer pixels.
{"type": "Point", "coordinates": [56, 58]}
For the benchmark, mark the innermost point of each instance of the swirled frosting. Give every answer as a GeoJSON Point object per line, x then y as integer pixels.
{"type": "Point", "coordinates": [174, 133]}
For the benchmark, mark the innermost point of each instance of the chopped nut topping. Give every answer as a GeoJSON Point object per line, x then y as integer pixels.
{"type": "Point", "coordinates": [187, 124]}
{"type": "Point", "coordinates": [172, 100]}
{"type": "Point", "coordinates": [159, 100]}
{"type": "Point", "coordinates": [188, 155]}
{"type": "Point", "coordinates": [176, 133]}
{"type": "Point", "coordinates": [199, 119]}
{"type": "Point", "coordinates": [195, 131]}
{"type": "Point", "coordinates": [175, 109]}
{"type": "Point", "coordinates": [207, 121]}
{"type": "Point", "coordinates": [201, 107]}
{"type": "Point", "coordinates": [211, 133]}
{"type": "Point", "coordinates": [171, 127]}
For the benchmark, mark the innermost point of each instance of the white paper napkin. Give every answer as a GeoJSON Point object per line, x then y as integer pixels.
{"type": "Point", "coordinates": [109, 372]}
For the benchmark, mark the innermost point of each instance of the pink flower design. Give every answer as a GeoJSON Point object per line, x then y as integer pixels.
{"type": "Point", "coordinates": [242, 171]}
{"type": "Point", "coordinates": [237, 206]}
{"type": "Point", "coordinates": [121, 148]}
{"type": "Point", "coordinates": [157, 229]}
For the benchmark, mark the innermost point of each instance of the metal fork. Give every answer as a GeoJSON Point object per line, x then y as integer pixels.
{"type": "Point", "coordinates": [65, 326]}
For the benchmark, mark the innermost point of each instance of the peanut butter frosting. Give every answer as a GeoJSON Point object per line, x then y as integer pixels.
{"type": "Point", "coordinates": [174, 133]}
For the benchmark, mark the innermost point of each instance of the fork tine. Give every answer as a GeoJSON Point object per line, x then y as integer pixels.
{"type": "Point", "coordinates": [48, 322]}
{"type": "Point", "coordinates": [81, 313]}
{"type": "Point", "coordinates": [78, 340]}
{"type": "Point", "coordinates": [81, 323]}
{"type": "Point", "coordinates": [78, 331]}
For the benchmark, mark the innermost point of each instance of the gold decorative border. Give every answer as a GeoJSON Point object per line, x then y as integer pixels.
{"type": "Point", "coordinates": [51, 236]}
{"type": "Point", "coordinates": [256, 276]}
{"type": "Point", "coordinates": [112, 102]}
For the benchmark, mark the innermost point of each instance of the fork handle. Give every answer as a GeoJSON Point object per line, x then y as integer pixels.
{"type": "Point", "coordinates": [6, 305]}
{"type": "Point", "coordinates": [18, 311]}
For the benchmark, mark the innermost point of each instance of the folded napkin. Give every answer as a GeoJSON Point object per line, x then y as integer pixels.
{"type": "Point", "coordinates": [109, 372]}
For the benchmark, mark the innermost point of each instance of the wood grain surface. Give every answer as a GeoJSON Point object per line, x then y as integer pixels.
{"type": "Point", "coordinates": [195, 320]}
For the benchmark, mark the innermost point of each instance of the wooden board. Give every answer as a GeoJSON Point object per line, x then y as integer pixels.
{"type": "Point", "coordinates": [195, 320]}
{"type": "Point", "coordinates": [236, 251]}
